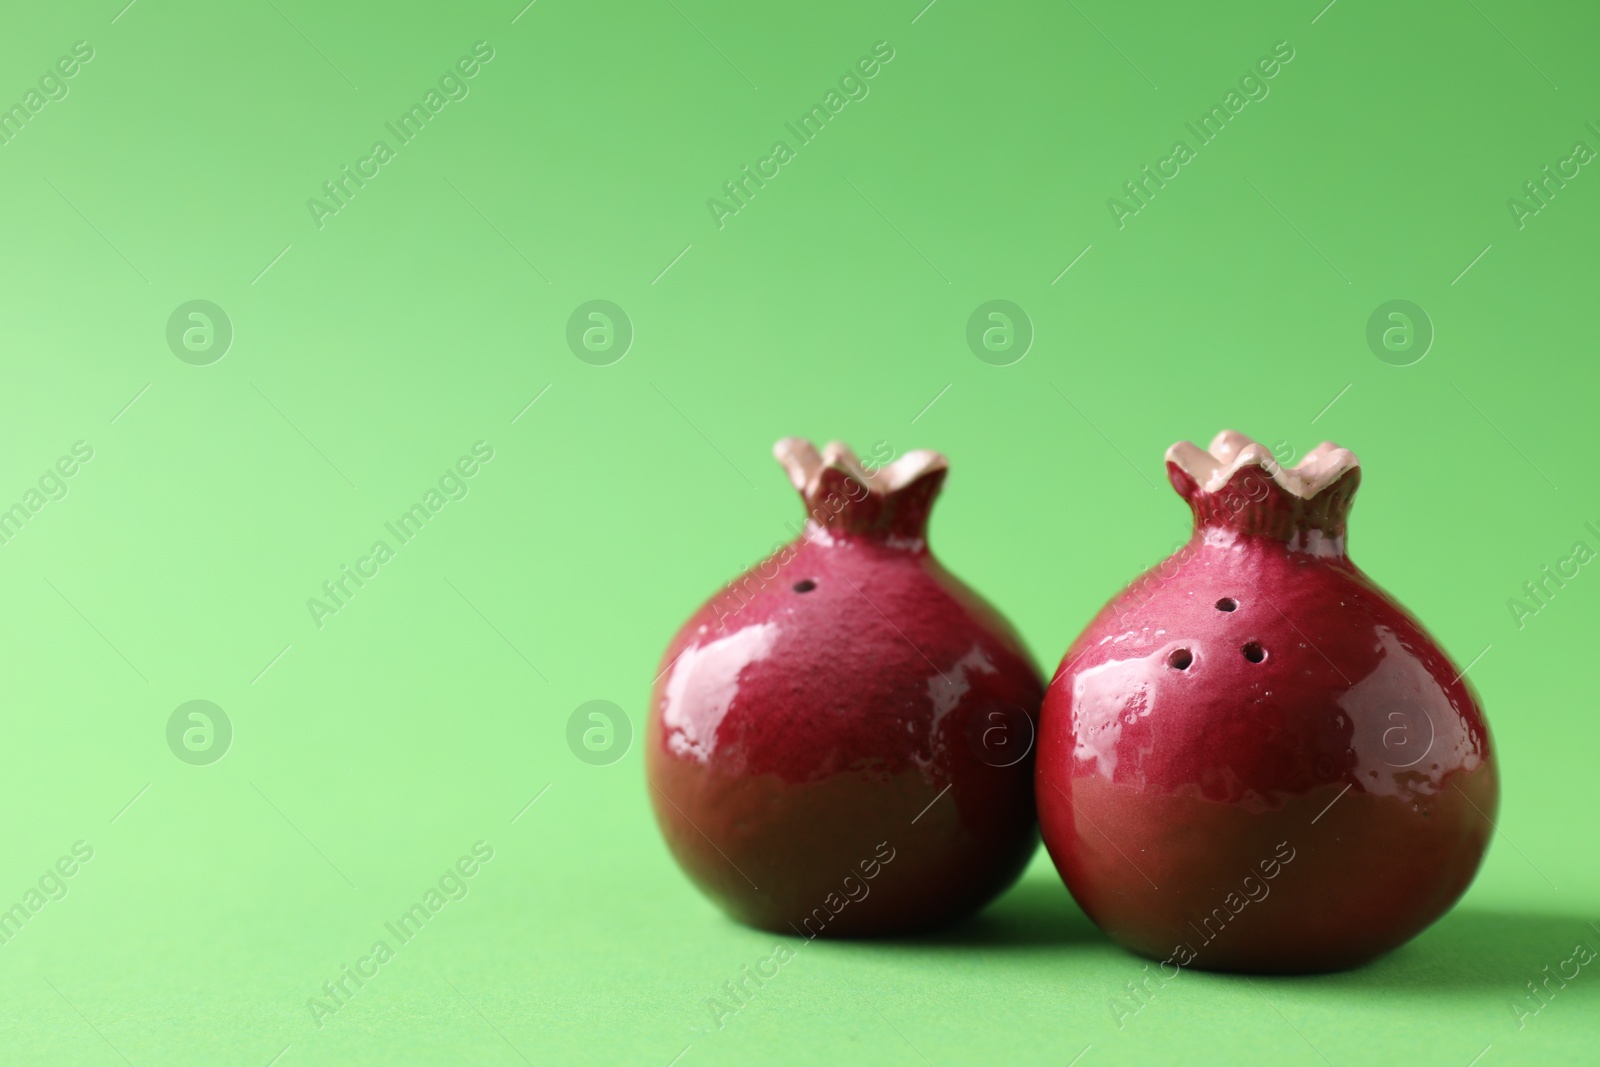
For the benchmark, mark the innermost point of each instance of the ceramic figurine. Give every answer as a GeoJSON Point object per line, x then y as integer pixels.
{"type": "Point", "coordinates": [1254, 759]}
{"type": "Point", "coordinates": [840, 743]}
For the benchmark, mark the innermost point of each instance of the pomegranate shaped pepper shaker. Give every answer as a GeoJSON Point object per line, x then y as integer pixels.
{"type": "Point", "coordinates": [841, 743]}
{"type": "Point", "coordinates": [1254, 759]}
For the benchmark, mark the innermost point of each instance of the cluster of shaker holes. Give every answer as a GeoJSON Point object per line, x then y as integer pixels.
{"type": "Point", "coordinates": [1181, 658]}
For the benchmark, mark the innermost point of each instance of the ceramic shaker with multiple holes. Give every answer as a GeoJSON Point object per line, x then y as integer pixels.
{"type": "Point", "coordinates": [1254, 759]}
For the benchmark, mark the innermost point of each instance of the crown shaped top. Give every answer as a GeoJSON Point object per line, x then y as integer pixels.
{"type": "Point", "coordinates": [844, 496]}
{"type": "Point", "coordinates": [1239, 484]}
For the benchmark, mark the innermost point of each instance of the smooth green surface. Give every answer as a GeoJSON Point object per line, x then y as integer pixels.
{"type": "Point", "coordinates": [371, 752]}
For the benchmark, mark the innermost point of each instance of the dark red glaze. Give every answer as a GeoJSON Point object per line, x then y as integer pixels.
{"type": "Point", "coordinates": [1254, 759]}
{"type": "Point", "coordinates": [840, 743]}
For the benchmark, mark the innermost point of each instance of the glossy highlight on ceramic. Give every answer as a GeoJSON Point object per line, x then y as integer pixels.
{"type": "Point", "coordinates": [840, 744]}
{"type": "Point", "coordinates": [1256, 704]}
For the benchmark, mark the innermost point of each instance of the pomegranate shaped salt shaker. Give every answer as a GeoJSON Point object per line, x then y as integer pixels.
{"type": "Point", "coordinates": [841, 743]}
{"type": "Point", "coordinates": [1254, 759]}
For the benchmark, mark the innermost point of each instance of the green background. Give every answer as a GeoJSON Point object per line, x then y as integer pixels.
{"type": "Point", "coordinates": [368, 754]}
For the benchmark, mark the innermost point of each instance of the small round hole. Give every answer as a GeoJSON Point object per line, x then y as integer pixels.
{"type": "Point", "coordinates": [1227, 603]}
{"type": "Point", "coordinates": [804, 585]}
{"type": "Point", "coordinates": [1180, 659]}
{"type": "Point", "coordinates": [1254, 652]}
